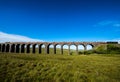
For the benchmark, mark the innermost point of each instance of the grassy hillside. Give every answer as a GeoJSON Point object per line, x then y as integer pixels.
{"type": "Point", "coordinates": [59, 68]}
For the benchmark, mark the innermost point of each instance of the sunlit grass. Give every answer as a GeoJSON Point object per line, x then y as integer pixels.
{"type": "Point", "coordinates": [59, 68]}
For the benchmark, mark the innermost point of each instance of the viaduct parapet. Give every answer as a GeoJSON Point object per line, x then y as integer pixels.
{"type": "Point", "coordinates": [27, 47]}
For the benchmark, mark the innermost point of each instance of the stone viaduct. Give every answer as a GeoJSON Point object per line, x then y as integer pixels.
{"type": "Point", "coordinates": [27, 47]}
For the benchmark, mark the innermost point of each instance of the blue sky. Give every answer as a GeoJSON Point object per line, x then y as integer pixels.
{"type": "Point", "coordinates": [61, 20]}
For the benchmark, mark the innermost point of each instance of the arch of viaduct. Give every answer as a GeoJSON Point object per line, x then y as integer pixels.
{"type": "Point", "coordinates": [25, 47]}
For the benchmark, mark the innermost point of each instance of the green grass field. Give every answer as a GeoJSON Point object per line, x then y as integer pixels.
{"type": "Point", "coordinates": [59, 68]}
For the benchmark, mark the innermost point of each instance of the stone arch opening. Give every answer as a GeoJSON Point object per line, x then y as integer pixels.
{"type": "Point", "coordinates": [51, 48]}
{"type": "Point", "coordinates": [41, 48]}
{"type": "Point", "coordinates": [58, 48]}
{"type": "Point", "coordinates": [28, 48]}
{"type": "Point", "coordinates": [48, 48]}
{"type": "Point", "coordinates": [0, 47]}
{"type": "Point", "coordinates": [89, 47]}
{"type": "Point", "coordinates": [37, 48]}
{"type": "Point", "coordinates": [65, 49]}
{"type": "Point", "coordinates": [23, 48]}
{"type": "Point", "coordinates": [34, 48]}
{"type": "Point", "coordinates": [18, 48]}
{"type": "Point", "coordinates": [12, 48]}
{"type": "Point", "coordinates": [81, 49]}
{"type": "Point", "coordinates": [72, 49]}
{"type": "Point", "coordinates": [3, 47]}
{"type": "Point", "coordinates": [7, 47]}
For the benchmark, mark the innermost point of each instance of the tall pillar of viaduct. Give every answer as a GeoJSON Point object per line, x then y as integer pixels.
{"type": "Point", "coordinates": [36, 47]}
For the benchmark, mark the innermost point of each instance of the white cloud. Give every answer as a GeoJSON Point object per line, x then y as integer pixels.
{"type": "Point", "coordinates": [108, 23]}
{"type": "Point", "coordinates": [116, 25]}
{"type": "Point", "coordinates": [4, 37]}
{"type": "Point", "coordinates": [103, 23]}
